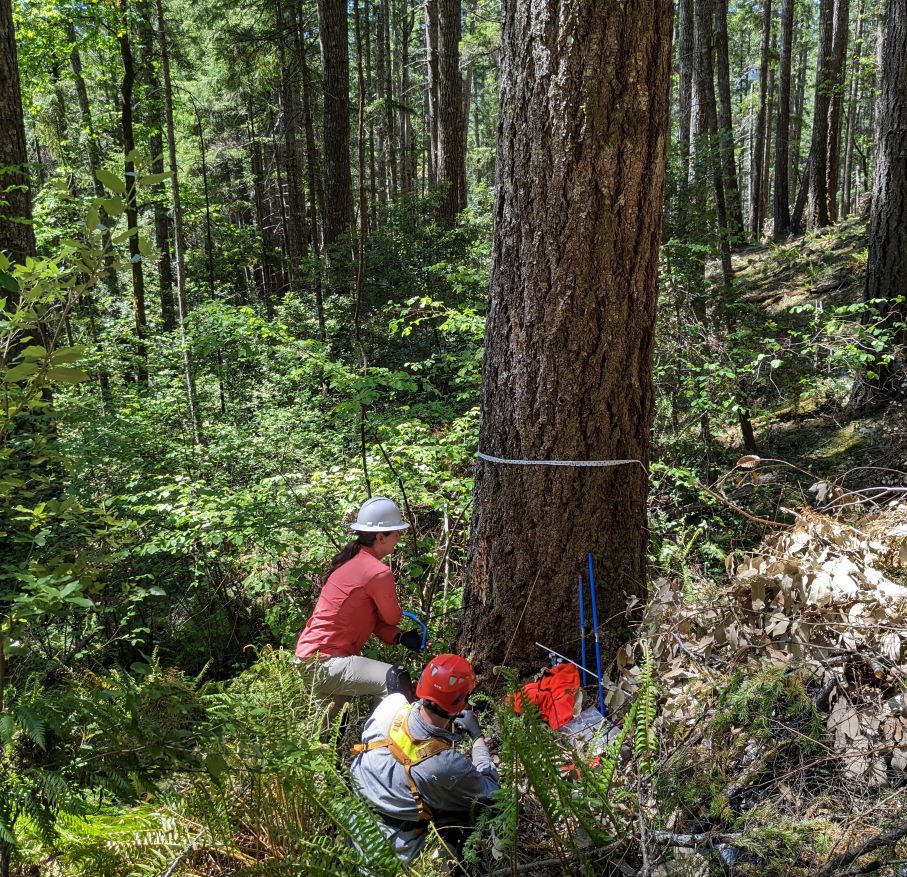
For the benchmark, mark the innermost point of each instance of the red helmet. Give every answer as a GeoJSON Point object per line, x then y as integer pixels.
{"type": "Point", "coordinates": [447, 681]}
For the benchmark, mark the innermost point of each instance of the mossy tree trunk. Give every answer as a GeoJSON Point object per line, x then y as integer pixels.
{"type": "Point", "coordinates": [568, 347]}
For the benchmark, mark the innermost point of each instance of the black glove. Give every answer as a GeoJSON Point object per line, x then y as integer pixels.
{"type": "Point", "coordinates": [412, 639]}
{"type": "Point", "coordinates": [467, 723]}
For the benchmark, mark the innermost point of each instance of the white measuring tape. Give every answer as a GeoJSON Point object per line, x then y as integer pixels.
{"type": "Point", "coordinates": [581, 463]}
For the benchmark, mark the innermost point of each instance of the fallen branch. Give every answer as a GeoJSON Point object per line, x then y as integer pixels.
{"type": "Point", "coordinates": [694, 841]}
{"type": "Point", "coordinates": [834, 866]}
{"type": "Point", "coordinates": [736, 508]}
{"type": "Point", "coordinates": [875, 865]}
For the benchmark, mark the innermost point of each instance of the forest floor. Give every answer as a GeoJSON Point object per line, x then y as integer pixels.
{"type": "Point", "coordinates": [782, 685]}
{"type": "Point", "coordinates": [824, 273]}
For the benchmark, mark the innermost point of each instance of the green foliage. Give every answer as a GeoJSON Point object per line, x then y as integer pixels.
{"type": "Point", "coordinates": [774, 704]}
{"type": "Point", "coordinates": [269, 797]}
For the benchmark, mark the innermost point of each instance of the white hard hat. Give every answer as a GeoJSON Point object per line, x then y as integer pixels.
{"type": "Point", "coordinates": [378, 515]}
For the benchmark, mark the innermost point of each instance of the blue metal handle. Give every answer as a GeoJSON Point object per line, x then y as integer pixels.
{"type": "Point", "coordinates": [421, 624]}
{"type": "Point", "coordinates": [598, 652]}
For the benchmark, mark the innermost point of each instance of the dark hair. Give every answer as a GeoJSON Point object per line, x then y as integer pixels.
{"type": "Point", "coordinates": [349, 551]}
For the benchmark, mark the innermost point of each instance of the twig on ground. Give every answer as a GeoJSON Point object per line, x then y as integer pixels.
{"type": "Point", "coordinates": [171, 869]}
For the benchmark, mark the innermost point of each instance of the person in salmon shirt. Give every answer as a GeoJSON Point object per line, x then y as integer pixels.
{"type": "Point", "coordinates": [358, 599]}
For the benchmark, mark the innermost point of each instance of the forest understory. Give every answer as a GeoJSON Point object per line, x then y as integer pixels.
{"type": "Point", "coordinates": [261, 260]}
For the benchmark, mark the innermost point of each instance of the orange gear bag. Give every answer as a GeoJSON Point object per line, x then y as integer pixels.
{"type": "Point", "coordinates": [554, 694]}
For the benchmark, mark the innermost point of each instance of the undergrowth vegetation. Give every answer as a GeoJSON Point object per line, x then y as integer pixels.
{"type": "Point", "coordinates": [149, 719]}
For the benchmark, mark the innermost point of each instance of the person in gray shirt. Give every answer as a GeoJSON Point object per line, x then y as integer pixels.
{"type": "Point", "coordinates": [408, 768]}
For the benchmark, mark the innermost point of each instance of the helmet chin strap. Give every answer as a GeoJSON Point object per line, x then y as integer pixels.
{"type": "Point", "coordinates": [433, 707]}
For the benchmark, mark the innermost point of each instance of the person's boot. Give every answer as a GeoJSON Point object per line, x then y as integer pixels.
{"type": "Point", "coordinates": [399, 682]}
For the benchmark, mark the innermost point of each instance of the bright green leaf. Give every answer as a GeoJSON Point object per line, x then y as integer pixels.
{"type": "Point", "coordinates": [19, 372]}
{"type": "Point", "coordinates": [153, 179]}
{"type": "Point", "coordinates": [111, 181]}
{"type": "Point", "coordinates": [7, 281]}
{"type": "Point", "coordinates": [114, 206]}
{"type": "Point", "coordinates": [66, 375]}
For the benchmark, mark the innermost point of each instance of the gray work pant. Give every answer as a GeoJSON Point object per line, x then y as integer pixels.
{"type": "Point", "coordinates": [355, 676]}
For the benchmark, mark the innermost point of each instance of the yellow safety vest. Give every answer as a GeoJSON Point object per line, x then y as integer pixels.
{"type": "Point", "coordinates": [407, 751]}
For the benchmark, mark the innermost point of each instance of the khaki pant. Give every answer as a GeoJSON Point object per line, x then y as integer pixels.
{"type": "Point", "coordinates": [343, 678]}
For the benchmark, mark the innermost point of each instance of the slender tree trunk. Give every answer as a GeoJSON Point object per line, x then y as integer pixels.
{"type": "Point", "coordinates": [852, 116]}
{"type": "Point", "coordinates": [94, 157]}
{"type": "Point", "coordinates": [296, 223]}
{"type": "Point", "coordinates": [162, 232]}
{"type": "Point", "coordinates": [451, 122]}
{"type": "Point", "coordinates": [568, 355]}
{"type": "Point", "coordinates": [818, 149]}
{"type": "Point", "coordinates": [316, 187]}
{"type": "Point", "coordinates": [361, 129]}
{"type": "Point", "coordinates": [726, 127]}
{"type": "Point", "coordinates": [382, 100]}
{"type": "Point", "coordinates": [153, 117]}
{"type": "Point", "coordinates": [432, 85]}
{"type": "Point", "coordinates": [338, 185]}
{"type": "Point", "coordinates": [761, 123]}
{"type": "Point", "coordinates": [132, 213]}
{"type": "Point", "coordinates": [407, 22]}
{"type": "Point", "coordinates": [836, 103]}
{"type": "Point", "coordinates": [316, 192]}
{"type": "Point", "coordinates": [782, 145]}
{"type": "Point", "coordinates": [179, 236]}
{"type": "Point", "coordinates": [370, 90]}
{"type": "Point", "coordinates": [387, 106]}
{"type": "Point", "coordinates": [704, 133]}
{"type": "Point", "coordinates": [263, 220]}
{"type": "Point", "coordinates": [886, 269]}
{"type": "Point", "coordinates": [799, 105]}
{"type": "Point", "coordinates": [685, 54]}
{"type": "Point", "coordinates": [281, 201]}
{"type": "Point", "coordinates": [765, 187]}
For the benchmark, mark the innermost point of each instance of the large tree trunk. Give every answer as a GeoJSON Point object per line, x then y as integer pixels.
{"type": "Point", "coordinates": [451, 121]}
{"type": "Point", "coordinates": [568, 358]}
{"type": "Point", "coordinates": [781, 209]}
{"type": "Point", "coordinates": [17, 237]}
{"type": "Point", "coordinates": [726, 126]}
{"type": "Point", "coordinates": [886, 270]}
{"type": "Point", "coordinates": [338, 184]}
{"type": "Point", "coordinates": [818, 149]}
{"type": "Point", "coordinates": [761, 123]}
